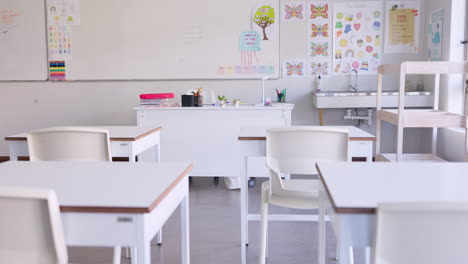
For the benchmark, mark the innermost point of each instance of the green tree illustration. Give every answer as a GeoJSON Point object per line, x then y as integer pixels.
{"type": "Point", "coordinates": [264, 17]}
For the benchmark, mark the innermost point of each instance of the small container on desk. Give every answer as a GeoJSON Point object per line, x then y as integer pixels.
{"type": "Point", "coordinates": [188, 100]}
{"type": "Point", "coordinates": [198, 100]}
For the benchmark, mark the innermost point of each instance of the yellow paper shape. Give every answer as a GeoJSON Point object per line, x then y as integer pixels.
{"type": "Point", "coordinates": [401, 26]}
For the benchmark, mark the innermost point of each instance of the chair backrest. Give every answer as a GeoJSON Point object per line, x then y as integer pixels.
{"type": "Point", "coordinates": [69, 144]}
{"type": "Point", "coordinates": [429, 233]}
{"type": "Point", "coordinates": [30, 227]}
{"type": "Point", "coordinates": [295, 150]}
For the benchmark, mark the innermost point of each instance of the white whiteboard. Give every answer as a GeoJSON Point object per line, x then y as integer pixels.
{"type": "Point", "coordinates": [168, 39]}
{"type": "Point", "coordinates": [23, 47]}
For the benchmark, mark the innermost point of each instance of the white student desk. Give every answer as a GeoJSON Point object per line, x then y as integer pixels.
{"type": "Point", "coordinates": [252, 141]}
{"type": "Point", "coordinates": [108, 204]}
{"type": "Point", "coordinates": [350, 192]}
{"type": "Point", "coordinates": [126, 141]}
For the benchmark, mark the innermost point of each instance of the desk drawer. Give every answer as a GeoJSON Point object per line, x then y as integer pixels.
{"type": "Point", "coordinates": [100, 229]}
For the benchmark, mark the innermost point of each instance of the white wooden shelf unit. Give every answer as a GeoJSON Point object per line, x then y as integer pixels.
{"type": "Point", "coordinates": [425, 118]}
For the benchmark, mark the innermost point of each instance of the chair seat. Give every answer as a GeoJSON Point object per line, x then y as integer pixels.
{"type": "Point", "coordinates": [298, 194]}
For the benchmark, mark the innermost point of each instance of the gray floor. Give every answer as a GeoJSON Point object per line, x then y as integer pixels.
{"type": "Point", "coordinates": [215, 233]}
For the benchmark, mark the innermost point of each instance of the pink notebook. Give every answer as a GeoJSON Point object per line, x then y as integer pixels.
{"type": "Point", "coordinates": [156, 96]}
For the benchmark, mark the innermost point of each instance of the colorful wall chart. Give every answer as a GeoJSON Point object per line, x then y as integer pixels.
{"type": "Point", "coordinates": [60, 42]}
{"type": "Point", "coordinates": [294, 69]}
{"type": "Point", "coordinates": [263, 21]}
{"type": "Point", "coordinates": [319, 37]}
{"type": "Point", "coordinates": [402, 27]}
{"type": "Point", "coordinates": [57, 71]}
{"type": "Point", "coordinates": [435, 35]}
{"type": "Point", "coordinates": [357, 33]}
{"type": "Point", "coordinates": [7, 20]}
{"type": "Point", "coordinates": [293, 11]}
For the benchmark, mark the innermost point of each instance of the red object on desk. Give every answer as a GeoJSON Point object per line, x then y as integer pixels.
{"type": "Point", "coordinates": [156, 96]}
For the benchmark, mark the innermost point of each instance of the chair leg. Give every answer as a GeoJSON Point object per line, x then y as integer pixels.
{"type": "Point", "coordinates": [159, 237]}
{"type": "Point", "coordinates": [263, 230]}
{"type": "Point", "coordinates": [127, 252]}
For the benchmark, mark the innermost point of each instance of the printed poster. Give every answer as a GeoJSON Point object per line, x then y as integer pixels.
{"type": "Point", "coordinates": [293, 11]}
{"type": "Point", "coordinates": [357, 33]}
{"type": "Point", "coordinates": [294, 68]}
{"type": "Point", "coordinates": [319, 38]}
{"type": "Point", "coordinates": [435, 35]}
{"type": "Point", "coordinates": [402, 27]}
{"type": "Point", "coordinates": [264, 21]}
{"type": "Point", "coordinates": [63, 11]}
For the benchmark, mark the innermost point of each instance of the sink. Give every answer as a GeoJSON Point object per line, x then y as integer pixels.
{"type": "Point", "coordinates": [368, 99]}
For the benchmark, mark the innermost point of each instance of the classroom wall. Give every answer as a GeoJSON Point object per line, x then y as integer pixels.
{"type": "Point", "coordinates": [27, 105]}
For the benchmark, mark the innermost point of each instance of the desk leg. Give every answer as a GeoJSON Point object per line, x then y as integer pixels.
{"type": "Point", "coordinates": [244, 209]}
{"type": "Point", "coordinates": [185, 230]}
{"type": "Point", "coordinates": [117, 255]}
{"type": "Point", "coordinates": [322, 227]}
{"type": "Point", "coordinates": [157, 158]}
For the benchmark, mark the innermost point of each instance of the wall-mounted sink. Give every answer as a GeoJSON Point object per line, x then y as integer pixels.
{"type": "Point", "coordinates": [368, 99]}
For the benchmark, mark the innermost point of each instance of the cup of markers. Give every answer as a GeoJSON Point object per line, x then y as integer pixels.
{"type": "Point", "coordinates": [281, 96]}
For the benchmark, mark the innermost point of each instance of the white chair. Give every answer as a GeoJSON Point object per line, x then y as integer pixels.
{"type": "Point", "coordinates": [295, 150]}
{"type": "Point", "coordinates": [31, 227]}
{"type": "Point", "coordinates": [81, 144]}
{"type": "Point", "coordinates": [69, 144]}
{"type": "Point", "coordinates": [429, 233]}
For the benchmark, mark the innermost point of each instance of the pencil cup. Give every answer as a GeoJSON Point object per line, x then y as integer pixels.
{"type": "Point", "coordinates": [281, 98]}
{"type": "Point", "coordinates": [188, 100]}
{"type": "Point", "coordinates": [198, 101]}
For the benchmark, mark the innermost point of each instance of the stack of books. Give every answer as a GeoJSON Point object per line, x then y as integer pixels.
{"type": "Point", "coordinates": [161, 99]}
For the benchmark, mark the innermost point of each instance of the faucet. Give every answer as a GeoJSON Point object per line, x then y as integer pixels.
{"type": "Point", "coordinates": [354, 88]}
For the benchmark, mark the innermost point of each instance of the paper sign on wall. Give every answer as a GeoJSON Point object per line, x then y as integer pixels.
{"type": "Point", "coordinates": [319, 36]}
{"type": "Point", "coordinates": [294, 69]}
{"type": "Point", "coordinates": [264, 21]}
{"type": "Point", "coordinates": [357, 32]}
{"type": "Point", "coordinates": [402, 27]}
{"type": "Point", "coordinates": [435, 35]}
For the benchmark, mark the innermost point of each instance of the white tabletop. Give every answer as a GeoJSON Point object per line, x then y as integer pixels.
{"type": "Point", "coordinates": [98, 186]}
{"type": "Point", "coordinates": [116, 133]}
{"type": "Point", "coordinates": [259, 133]}
{"type": "Point", "coordinates": [274, 106]}
{"type": "Point", "coordinates": [359, 187]}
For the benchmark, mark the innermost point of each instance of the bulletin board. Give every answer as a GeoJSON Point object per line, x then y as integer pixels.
{"type": "Point", "coordinates": [23, 51]}
{"type": "Point", "coordinates": [167, 39]}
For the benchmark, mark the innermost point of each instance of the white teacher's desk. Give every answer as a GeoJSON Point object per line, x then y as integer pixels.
{"type": "Point", "coordinates": [252, 141]}
{"type": "Point", "coordinates": [350, 192]}
{"type": "Point", "coordinates": [126, 141]}
{"type": "Point", "coordinates": [108, 204]}
{"type": "Point", "coordinates": [207, 136]}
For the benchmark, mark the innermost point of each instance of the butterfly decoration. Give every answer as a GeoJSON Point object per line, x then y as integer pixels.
{"type": "Point", "coordinates": [320, 68]}
{"type": "Point", "coordinates": [320, 30]}
{"type": "Point", "coordinates": [293, 12]}
{"type": "Point", "coordinates": [319, 49]}
{"type": "Point", "coordinates": [319, 11]}
{"type": "Point", "coordinates": [295, 69]}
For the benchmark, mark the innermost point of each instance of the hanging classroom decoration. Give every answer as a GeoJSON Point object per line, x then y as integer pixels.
{"type": "Point", "coordinates": [402, 27]}
{"type": "Point", "coordinates": [294, 68]}
{"type": "Point", "coordinates": [293, 11]}
{"type": "Point", "coordinates": [249, 45]}
{"type": "Point", "coordinates": [357, 36]}
{"type": "Point", "coordinates": [435, 35]}
{"type": "Point", "coordinates": [319, 36]}
{"type": "Point", "coordinates": [264, 21]}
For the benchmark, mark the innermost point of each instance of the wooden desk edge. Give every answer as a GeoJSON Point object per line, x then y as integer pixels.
{"type": "Point", "coordinates": [343, 210]}
{"type": "Point", "coordinates": [138, 137]}
{"type": "Point", "coordinates": [128, 210]}
{"type": "Point", "coordinates": [111, 139]}
{"type": "Point", "coordinates": [351, 138]}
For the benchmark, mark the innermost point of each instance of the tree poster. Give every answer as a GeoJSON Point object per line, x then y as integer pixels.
{"type": "Point", "coordinates": [264, 21]}
{"type": "Point", "coordinates": [402, 27]}
{"type": "Point", "coordinates": [357, 37]}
